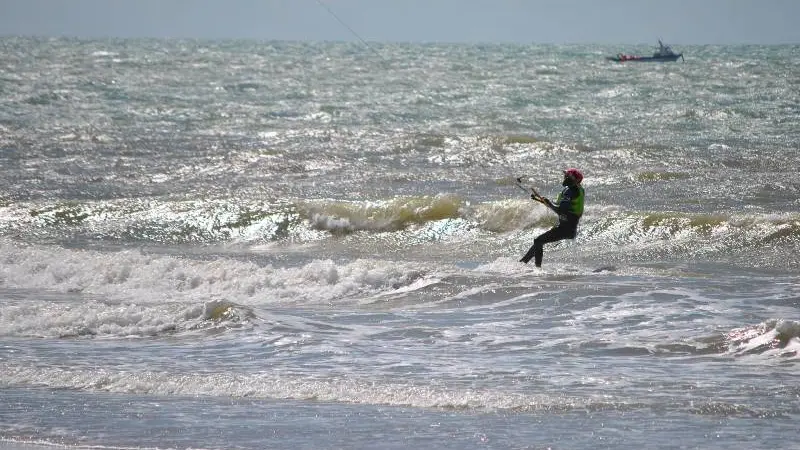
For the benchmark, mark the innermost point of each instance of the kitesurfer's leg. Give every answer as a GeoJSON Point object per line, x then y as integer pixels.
{"type": "Point", "coordinates": [536, 252]}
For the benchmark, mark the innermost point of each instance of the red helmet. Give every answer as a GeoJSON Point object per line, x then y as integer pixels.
{"type": "Point", "coordinates": [575, 174]}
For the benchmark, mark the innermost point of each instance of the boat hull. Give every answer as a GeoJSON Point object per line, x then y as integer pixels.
{"type": "Point", "coordinates": [665, 58]}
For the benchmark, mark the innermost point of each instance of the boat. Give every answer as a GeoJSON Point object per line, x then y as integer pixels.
{"type": "Point", "coordinates": [664, 53]}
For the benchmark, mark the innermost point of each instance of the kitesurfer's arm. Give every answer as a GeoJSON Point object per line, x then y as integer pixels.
{"type": "Point", "coordinates": [545, 201]}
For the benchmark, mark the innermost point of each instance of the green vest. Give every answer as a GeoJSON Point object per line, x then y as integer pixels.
{"type": "Point", "coordinates": [575, 203]}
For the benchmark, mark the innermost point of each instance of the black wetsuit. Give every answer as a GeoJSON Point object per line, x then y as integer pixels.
{"type": "Point", "coordinates": [570, 210]}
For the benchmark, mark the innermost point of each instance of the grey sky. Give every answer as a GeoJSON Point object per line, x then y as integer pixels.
{"type": "Point", "coordinates": [524, 21]}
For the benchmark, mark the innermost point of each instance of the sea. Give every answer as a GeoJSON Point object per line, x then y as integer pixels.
{"type": "Point", "coordinates": [242, 244]}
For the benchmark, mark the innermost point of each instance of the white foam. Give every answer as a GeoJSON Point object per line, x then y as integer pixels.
{"type": "Point", "coordinates": [130, 293]}
{"type": "Point", "coordinates": [506, 265]}
{"type": "Point", "coordinates": [132, 275]}
{"type": "Point", "coordinates": [772, 338]}
{"type": "Point", "coordinates": [100, 319]}
{"type": "Point", "coordinates": [347, 389]}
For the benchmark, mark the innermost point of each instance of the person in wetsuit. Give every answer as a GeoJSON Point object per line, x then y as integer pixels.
{"type": "Point", "coordinates": [568, 206]}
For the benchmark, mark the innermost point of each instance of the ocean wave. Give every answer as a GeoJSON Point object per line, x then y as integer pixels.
{"type": "Point", "coordinates": [694, 232]}
{"type": "Point", "coordinates": [392, 215]}
{"type": "Point", "coordinates": [355, 390]}
{"type": "Point", "coordinates": [120, 276]}
{"type": "Point", "coordinates": [403, 219]}
{"type": "Point", "coordinates": [775, 337]}
{"type": "Point", "coordinates": [101, 319]}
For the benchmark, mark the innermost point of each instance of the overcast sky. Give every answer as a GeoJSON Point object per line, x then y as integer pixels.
{"type": "Point", "coordinates": [522, 21]}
